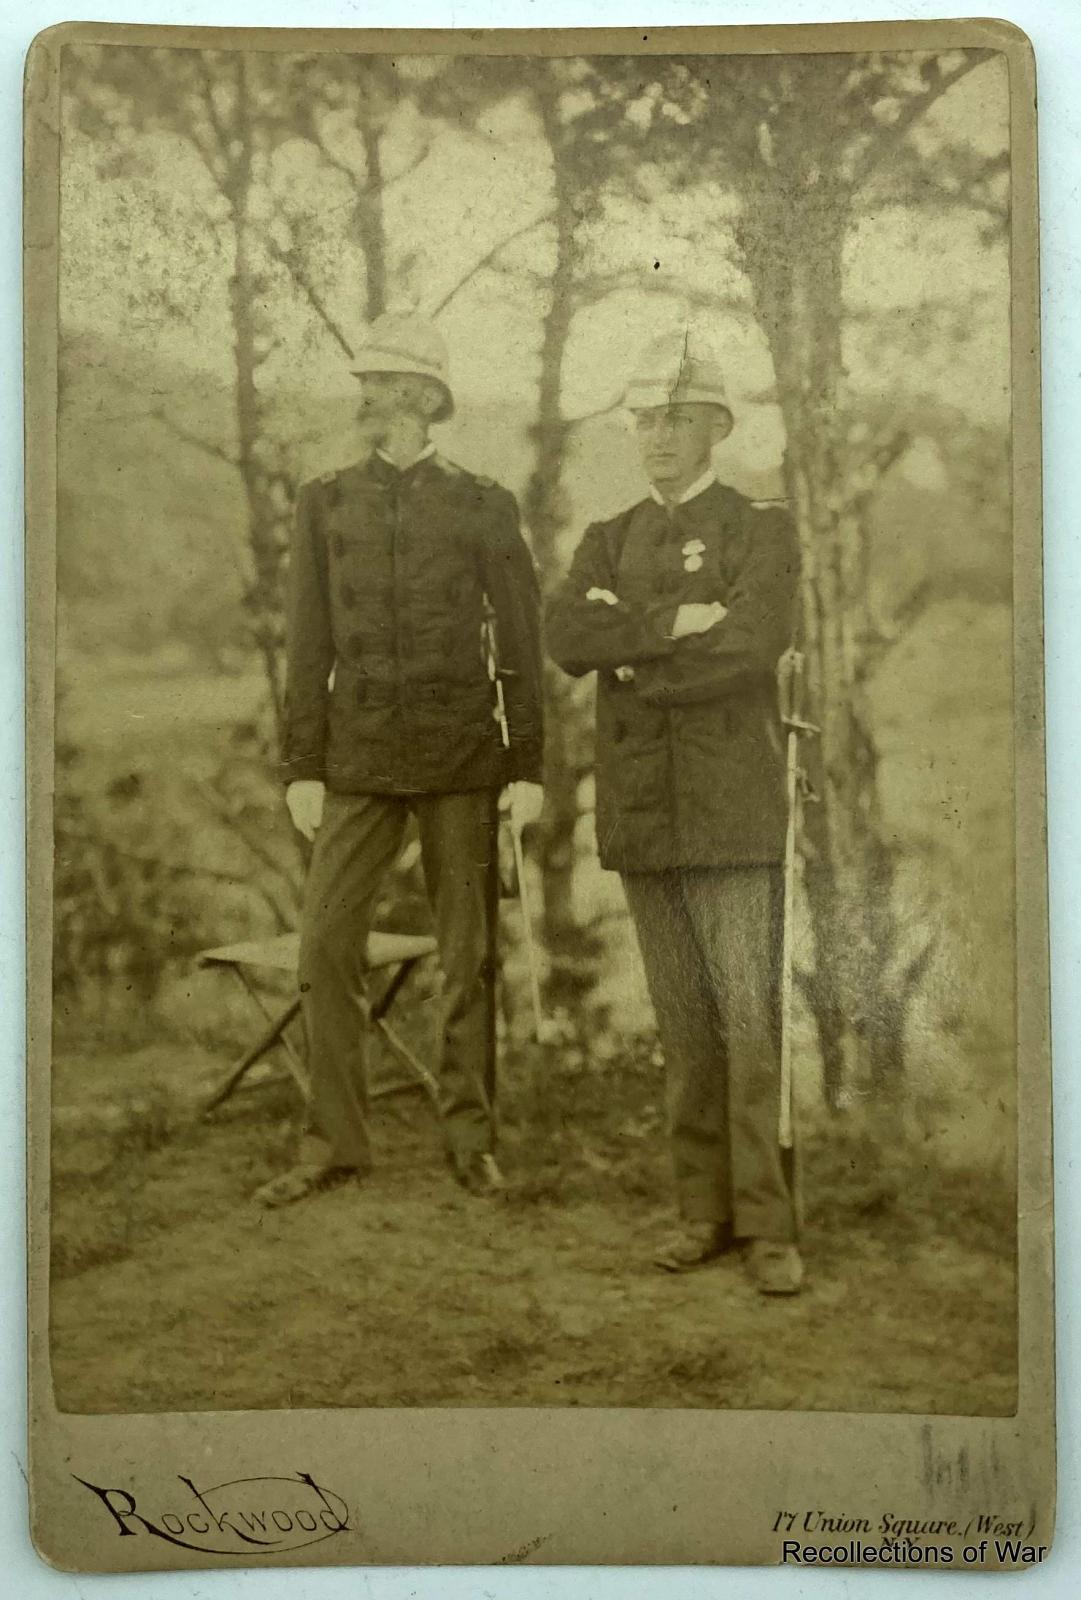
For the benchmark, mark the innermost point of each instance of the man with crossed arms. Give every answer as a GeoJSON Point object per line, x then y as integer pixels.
{"type": "Point", "coordinates": [683, 605]}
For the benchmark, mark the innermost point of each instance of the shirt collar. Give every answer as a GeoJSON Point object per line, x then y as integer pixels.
{"type": "Point", "coordinates": [429, 450]}
{"type": "Point", "coordinates": [698, 487]}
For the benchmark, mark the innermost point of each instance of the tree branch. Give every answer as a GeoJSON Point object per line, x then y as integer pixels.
{"type": "Point", "coordinates": [220, 130]}
{"type": "Point", "coordinates": [889, 136]}
{"type": "Point", "coordinates": [290, 260]}
{"type": "Point", "coordinates": [195, 440]}
{"type": "Point", "coordinates": [588, 416]}
{"type": "Point", "coordinates": [935, 195]}
{"type": "Point", "coordinates": [197, 143]}
{"type": "Point", "coordinates": [168, 104]}
{"type": "Point", "coordinates": [592, 288]}
{"type": "Point", "coordinates": [409, 168]}
{"type": "Point", "coordinates": [876, 646]}
{"type": "Point", "coordinates": [916, 970]}
{"type": "Point", "coordinates": [334, 162]}
{"type": "Point", "coordinates": [486, 260]}
{"type": "Point", "coordinates": [265, 857]}
{"type": "Point", "coordinates": [866, 478]}
{"type": "Point", "coordinates": [956, 182]}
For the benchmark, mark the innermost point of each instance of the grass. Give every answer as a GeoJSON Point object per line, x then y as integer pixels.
{"type": "Point", "coordinates": [171, 1291]}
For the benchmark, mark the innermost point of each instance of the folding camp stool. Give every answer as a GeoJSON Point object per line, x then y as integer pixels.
{"type": "Point", "coordinates": [398, 951]}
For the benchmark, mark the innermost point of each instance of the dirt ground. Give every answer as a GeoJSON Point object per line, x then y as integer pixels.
{"type": "Point", "coordinates": [171, 1291]}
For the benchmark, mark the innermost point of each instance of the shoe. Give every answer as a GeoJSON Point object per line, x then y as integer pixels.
{"type": "Point", "coordinates": [774, 1267]}
{"type": "Point", "coordinates": [696, 1244]}
{"type": "Point", "coordinates": [480, 1174]}
{"type": "Point", "coordinates": [306, 1178]}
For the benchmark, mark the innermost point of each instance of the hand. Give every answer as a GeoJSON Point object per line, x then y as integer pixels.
{"type": "Point", "coordinates": [526, 800]}
{"type": "Point", "coordinates": [696, 618]}
{"type": "Point", "coordinates": [305, 801]}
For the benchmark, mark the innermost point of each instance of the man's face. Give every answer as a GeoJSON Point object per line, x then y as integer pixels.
{"type": "Point", "coordinates": [387, 396]}
{"type": "Point", "coordinates": [676, 441]}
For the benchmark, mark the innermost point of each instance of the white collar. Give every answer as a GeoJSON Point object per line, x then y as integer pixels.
{"type": "Point", "coordinates": [696, 488]}
{"type": "Point", "coordinates": [429, 450]}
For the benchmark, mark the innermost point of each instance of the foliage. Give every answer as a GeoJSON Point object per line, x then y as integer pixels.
{"type": "Point", "coordinates": [121, 912]}
{"type": "Point", "coordinates": [153, 866]}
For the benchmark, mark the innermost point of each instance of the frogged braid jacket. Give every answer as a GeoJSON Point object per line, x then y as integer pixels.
{"type": "Point", "coordinates": [690, 757]}
{"type": "Point", "coordinates": [387, 689]}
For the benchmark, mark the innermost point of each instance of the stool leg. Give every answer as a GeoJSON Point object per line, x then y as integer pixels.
{"type": "Point", "coordinates": [377, 1018]}
{"type": "Point", "coordinates": [265, 1042]}
{"type": "Point", "coordinates": [390, 993]}
{"type": "Point", "coordinates": [403, 1052]}
{"type": "Point", "coordinates": [293, 1060]}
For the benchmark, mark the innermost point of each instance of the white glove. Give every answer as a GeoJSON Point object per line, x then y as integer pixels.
{"type": "Point", "coordinates": [305, 801]}
{"type": "Point", "coordinates": [694, 617]}
{"type": "Point", "coordinates": [525, 802]}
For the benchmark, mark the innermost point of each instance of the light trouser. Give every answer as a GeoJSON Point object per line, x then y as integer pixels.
{"type": "Point", "coordinates": [358, 841]}
{"type": "Point", "coordinates": [710, 940]}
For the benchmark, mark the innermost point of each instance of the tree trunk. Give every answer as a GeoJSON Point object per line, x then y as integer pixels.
{"type": "Point", "coordinates": [267, 536]}
{"type": "Point", "coordinates": [546, 516]}
{"type": "Point", "coordinates": [859, 1010]}
{"type": "Point", "coordinates": [373, 226]}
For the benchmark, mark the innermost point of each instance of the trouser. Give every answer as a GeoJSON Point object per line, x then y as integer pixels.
{"type": "Point", "coordinates": [358, 841]}
{"type": "Point", "coordinates": [710, 940]}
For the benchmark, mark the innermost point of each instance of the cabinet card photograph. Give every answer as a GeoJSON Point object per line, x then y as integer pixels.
{"type": "Point", "coordinates": [538, 973]}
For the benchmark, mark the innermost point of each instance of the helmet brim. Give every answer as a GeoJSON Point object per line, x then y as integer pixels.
{"type": "Point", "coordinates": [653, 396]}
{"type": "Point", "coordinates": [366, 368]}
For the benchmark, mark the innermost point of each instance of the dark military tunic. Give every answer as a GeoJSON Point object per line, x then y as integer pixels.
{"type": "Point", "coordinates": [690, 758]}
{"type": "Point", "coordinates": [390, 703]}
{"type": "Point", "coordinates": [387, 689]}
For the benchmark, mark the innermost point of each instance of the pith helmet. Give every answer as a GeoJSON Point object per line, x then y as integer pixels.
{"type": "Point", "coordinates": [670, 371]}
{"type": "Point", "coordinates": [397, 343]}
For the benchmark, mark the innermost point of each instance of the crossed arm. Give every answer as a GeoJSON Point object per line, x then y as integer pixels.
{"type": "Point", "coordinates": [686, 654]}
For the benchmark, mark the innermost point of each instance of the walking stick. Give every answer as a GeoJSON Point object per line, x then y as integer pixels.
{"type": "Point", "coordinates": [790, 684]}
{"type": "Point", "coordinates": [540, 1024]}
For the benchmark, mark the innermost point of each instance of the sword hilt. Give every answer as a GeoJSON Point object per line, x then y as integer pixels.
{"type": "Point", "coordinates": [791, 686]}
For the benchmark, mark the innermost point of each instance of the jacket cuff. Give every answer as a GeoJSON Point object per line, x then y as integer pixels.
{"type": "Point", "coordinates": [302, 769]}
{"type": "Point", "coordinates": [526, 764]}
{"type": "Point", "coordinates": [659, 622]}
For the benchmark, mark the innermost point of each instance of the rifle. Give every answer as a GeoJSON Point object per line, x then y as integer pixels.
{"type": "Point", "coordinates": [790, 686]}
{"type": "Point", "coordinates": [491, 661]}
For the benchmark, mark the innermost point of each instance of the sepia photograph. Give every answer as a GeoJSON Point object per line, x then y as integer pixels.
{"type": "Point", "coordinates": [364, 363]}
{"type": "Point", "coordinates": [533, 877]}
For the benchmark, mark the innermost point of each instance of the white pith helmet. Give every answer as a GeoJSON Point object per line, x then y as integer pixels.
{"type": "Point", "coordinates": [671, 371]}
{"type": "Point", "coordinates": [407, 343]}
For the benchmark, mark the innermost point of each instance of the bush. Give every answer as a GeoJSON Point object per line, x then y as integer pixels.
{"type": "Point", "coordinates": [146, 874]}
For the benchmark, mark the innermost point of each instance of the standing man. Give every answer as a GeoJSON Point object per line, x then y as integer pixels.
{"type": "Point", "coordinates": [397, 561]}
{"type": "Point", "coordinates": [682, 605]}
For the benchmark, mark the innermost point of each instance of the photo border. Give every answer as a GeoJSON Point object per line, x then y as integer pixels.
{"type": "Point", "coordinates": [554, 1486]}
